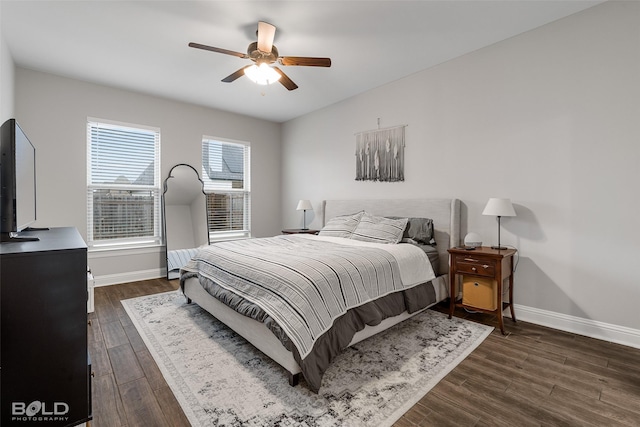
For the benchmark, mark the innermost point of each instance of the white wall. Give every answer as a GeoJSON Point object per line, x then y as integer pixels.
{"type": "Point", "coordinates": [551, 119]}
{"type": "Point", "coordinates": [6, 79]}
{"type": "Point", "coordinates": [53, 112]}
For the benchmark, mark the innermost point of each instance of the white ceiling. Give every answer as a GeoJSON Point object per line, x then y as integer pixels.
{"type": "Point", "coordinates": [142, 45]}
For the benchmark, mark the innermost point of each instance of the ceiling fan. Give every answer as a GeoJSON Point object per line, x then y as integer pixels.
{"type": "Point", "coordinates": [264, 53]}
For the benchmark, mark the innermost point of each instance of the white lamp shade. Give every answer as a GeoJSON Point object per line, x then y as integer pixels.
{"type": "Point", "coordinates": [499, 207]}
{"type": "Point", "coordinates": [304, 205]}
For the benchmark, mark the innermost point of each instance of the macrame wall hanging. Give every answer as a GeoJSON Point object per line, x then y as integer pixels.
{"type": "Point", "coordinates": [380, 154]}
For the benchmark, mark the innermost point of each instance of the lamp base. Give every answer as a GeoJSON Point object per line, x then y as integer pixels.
{"type": "Point", "coordinates": [499, 248]}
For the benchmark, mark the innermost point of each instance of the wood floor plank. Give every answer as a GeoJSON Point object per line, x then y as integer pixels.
{"type": "Point", "coordinates": [523, 404]}
{"type": "Point", "coordinates": [141, 405]}
{"type": "Point", "coordinates": [442, 420]}
{"type": "Point", "coordinates": [484, 406]}
{"type": "Point", "coordinates": [455, 377]}
{"type": "Point", "coordinates": [115, 298]}
{"type": "Point", "coordinates": [495, 346]}
{"type": "Point", "coordinates": [114, 334]}
{"type": "Point", "coordinates": [629, 367]}
{"type": "Point", "coordinates": [445, 413]}
{"type": "Point", "coordinates": [403, 422]}
{"type": "Point", "coordinates": [104, 309]}
{"type": "Point", "coordinates": [514, 370]}
{"type": "Point", "coordinates": [151, 370]}
{"type": "Point", "coordinates": [572, 350]}
{"type": "Point", "coordinates": [135, 339]}
{"type": "Point", "coordinates": [565, 376]}
{"type": "Point", "coordinates": [417, 414]}
{"type": "Point", "coordinates": [171, 408]}
{"type": "Point", "coordinates": [610, 350]}
{"type": "Point", "coordinates": [536, 348]}
{"type": "Point", "coordinates": [566, 351]}
{"type": "Point", "coordinates": [100, 363]}
{"type": "Point", "coordinates": [593, 411]}
{"type": "Point", "coordinates": [94, 330]}
{"type": "Point", "coordinates": [125, 364]}
{"type": "Point", "coordinates": [523, 385]}
{"type": "Point", "coordinates": [622, 398]}
{"type": "Point", "coordinates": [607, 376]}
{"type": "Point", "coordinates": [491, 375]}
{"type": "Point", "coordinates": [108, 409]}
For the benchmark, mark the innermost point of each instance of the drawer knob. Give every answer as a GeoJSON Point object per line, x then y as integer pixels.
{"type": "Point", "coordinates": [486, 266]}
{"type": "Point", "coordinates": [473, 269]}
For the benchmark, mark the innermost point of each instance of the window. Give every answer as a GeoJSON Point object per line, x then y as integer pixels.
{"type": "Point", "coordinates": [123, 184]}
{"type": "Point", "coordinates": [225, 172]}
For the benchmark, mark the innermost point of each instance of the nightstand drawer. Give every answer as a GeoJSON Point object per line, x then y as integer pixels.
{"type": "Point", "coordinates": [478, 267]}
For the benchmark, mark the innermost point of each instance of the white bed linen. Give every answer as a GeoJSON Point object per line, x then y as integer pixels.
{"type": "Point", "coordinates": [413, 263]}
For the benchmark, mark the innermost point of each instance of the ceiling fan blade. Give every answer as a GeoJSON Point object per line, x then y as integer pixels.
{"type": "Point", "coordinates": [305, 61]}
{"type": "Point", "coordinates": [218, 50]}
{"type": "Point", "coordinates": [233, 76]}
{"type": "Point", "coordinates": [285, 80]}
{"type": "Point", "coordinates": [266, 33]}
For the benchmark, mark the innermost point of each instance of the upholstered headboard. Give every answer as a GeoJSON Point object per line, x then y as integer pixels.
{"type": "Point", "coordinates": [445, 214]}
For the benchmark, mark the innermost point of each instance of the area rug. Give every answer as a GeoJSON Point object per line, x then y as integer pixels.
{"type": "Point", "coordinates": [220, 379]}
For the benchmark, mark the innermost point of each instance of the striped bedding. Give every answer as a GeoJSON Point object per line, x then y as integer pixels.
{"type": "Point", "coordinates": [306, 282]}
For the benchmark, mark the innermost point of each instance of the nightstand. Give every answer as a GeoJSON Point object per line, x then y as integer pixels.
{"type": "Point", "coordinates": [300, 231]}
{"type": "Point", "coordinates": [484, 271]}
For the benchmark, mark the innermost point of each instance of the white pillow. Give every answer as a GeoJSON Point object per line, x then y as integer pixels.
{"type": "Point", "coordinates": [379, 229]}
{"type": "Point", "coordinates": [341, 226]}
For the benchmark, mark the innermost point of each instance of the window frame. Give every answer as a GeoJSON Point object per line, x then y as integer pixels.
{"type": "Point", "coordinates": [211, 187]}
{"type": "Point", "coordinates": [155, 190]}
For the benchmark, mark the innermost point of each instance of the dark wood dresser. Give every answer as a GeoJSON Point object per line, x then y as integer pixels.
{"type": "Point", "coordinates": [45, 373]}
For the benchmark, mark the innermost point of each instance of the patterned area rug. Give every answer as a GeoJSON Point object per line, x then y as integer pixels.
{"type": "Point", "coordinates": [222, 380]}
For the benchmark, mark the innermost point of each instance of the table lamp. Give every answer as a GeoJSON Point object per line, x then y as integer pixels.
{"type": "Point", "coordinates": [304, 206]}
{"type": "Point", "coordinates": [499, 207]}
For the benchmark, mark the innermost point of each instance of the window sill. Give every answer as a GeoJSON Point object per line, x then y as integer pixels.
{"type": "Point", "coordinates": [122, 250]}
{"type": "Point", "coordinates": [227, 238]}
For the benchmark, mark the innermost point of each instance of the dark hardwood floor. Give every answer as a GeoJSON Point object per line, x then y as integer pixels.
{"type": "Point", "coordinates": [128, 389]}
{"type": "Point", "coordinates": [534, 376]}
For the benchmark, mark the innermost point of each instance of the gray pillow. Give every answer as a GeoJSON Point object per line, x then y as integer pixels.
{"type": "Point", "coordinates": [420, 230]}
{"type": "Point", "coordinates": [379, 229]}
{"type": "Point", "coordinates": [341, 226]}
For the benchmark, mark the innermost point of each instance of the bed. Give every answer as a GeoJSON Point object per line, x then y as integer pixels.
{"type": "Point", "coordinates": [286, 346]}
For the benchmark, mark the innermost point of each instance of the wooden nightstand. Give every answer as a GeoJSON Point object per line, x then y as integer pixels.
{"type": "Point", "coordinates": [300, 231]}
{"type": "Point", "coordinates": [490, 267]}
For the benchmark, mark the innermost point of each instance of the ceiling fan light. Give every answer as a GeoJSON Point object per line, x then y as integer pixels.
{"type": "Point", "coordinates": [262, 74]}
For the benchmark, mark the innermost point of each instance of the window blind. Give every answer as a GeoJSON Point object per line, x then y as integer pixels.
{"type": "Point", "coordinates": [226, 177]}
{"type": "Point", "coordinates": [123, 184]}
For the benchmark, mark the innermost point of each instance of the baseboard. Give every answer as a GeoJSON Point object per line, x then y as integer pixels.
{"type": "Point", "coordinates": [130, 276]}
{"type": "Point", "coordinates": [578, 325]}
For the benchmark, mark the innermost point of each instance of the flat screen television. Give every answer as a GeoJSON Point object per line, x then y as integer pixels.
{"type": "Point", "coordinates": [17, 182]}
